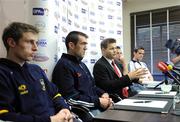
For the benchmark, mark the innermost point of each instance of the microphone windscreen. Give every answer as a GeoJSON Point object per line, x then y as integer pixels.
{"type": "Point", "coordinates": [162, 66]}
{"type": "Point", "coordinates": [170, 67]}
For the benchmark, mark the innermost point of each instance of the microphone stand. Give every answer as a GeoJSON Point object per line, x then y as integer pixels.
{"type": "Point", "coordinates": [164, 81]}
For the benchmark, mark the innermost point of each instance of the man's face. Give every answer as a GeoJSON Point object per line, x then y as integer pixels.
{"type": "Point", "coordinates": [139, 55]}
{"type": "Point", "coordinates": [110, 51]}
{"type": "Point", "coordinates": [26, 47]}
{"type": "Point", "coordinates": [81, 47]}
{"type": "Point", "coordinates": [118, 54]}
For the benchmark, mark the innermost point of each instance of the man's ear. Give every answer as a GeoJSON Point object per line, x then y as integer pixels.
{"type": "Point", "coordinates": [11, 42]}
{"type": "Point", "coordinates": [71, 45]}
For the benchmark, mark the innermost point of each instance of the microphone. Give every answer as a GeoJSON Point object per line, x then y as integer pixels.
{"type": "Point", "coordinates": [164, 68]}
{"type": "Point", "coordinates": [171, 68]}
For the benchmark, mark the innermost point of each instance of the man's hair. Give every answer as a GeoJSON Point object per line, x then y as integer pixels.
{"type": "Point", "coordinates": [107, 41]}
{"type": "Point", "coordinates": [118, 47]}
{"type": "Point", "coordinates": [73, 36]}
{"type": "Point", "coordinates": [15, 31]}
{"type": "Point", "coordinates": [138, 48]}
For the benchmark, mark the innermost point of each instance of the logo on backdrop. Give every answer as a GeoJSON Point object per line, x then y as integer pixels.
{"type": "Point", "coordinates": [42, 43]}
{"type": "Point", "coordinates": [40, 11]}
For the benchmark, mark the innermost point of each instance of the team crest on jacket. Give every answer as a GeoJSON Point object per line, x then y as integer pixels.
{"type": "Point", "coordinates": [42, 84]}
{"type": "Point", "coordinates": [22, 89]}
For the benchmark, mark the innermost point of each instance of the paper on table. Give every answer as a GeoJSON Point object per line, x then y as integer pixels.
{"type": "Point", "coordinates": [149, 92]}
{"type": "Point", "coordinates": [152, 104]}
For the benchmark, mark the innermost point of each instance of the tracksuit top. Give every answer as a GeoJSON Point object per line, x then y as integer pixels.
{"type": "Point", "coordinates": [26, 95]}
{"type": "Point", "coordinates": [75, 81]}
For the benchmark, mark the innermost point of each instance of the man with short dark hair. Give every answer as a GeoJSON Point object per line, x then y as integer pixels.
{"type": "Point", "coordinates": [72, 76]}
{"type": "Point", "coordinates": [136, 63]}
{"type": "Point", "coordinates": [107, 72]}
{"type": "Point", "coordinates": [26, 95]}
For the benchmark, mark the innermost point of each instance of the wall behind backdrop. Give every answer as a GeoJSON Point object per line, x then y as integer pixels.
{"type": "Point", "coordinates": [56, 18]}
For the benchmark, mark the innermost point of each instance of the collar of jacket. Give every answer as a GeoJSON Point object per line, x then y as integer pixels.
{"type": "Point", "coordinates": [11, 63]}
{"type": "Point", "coordinates": [71, 57]}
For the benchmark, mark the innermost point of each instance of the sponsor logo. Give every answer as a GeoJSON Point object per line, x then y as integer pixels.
{"type": "Point", "coordinates": [84, 27]}
{"type": "Point", "coordinates": [40, 57]}
{"type": "Point", "coordinates": [119, 32]}
{"type": "Point", "coordinates": [111, 31]}
{"type": "Point", "coordinates": [102, 30]}
{"type": "Point", "coordinates": [94, 52]}
{"type": "Point", "coordinates": [118, 3]}
{"type": "Point", "coordinates": [110, 2]}
{"type": "Point", "coordinates": [56, 28]}
{"type": "Point", "coordinates": [55, 58]}
{"type": "Point", "coordinates": [110, 10]}
{"type": "Point", "coordinates": [93, 44]}
{"type": "Point", "coordinates": [92, 13]}
{"type": "Point", "coordinates": [42, 43]}
{"type": "Point", "coordinates": [40, 11]}
{"type": "Point", "coordinates": [43, 87]}
{"type": "Point", "coordinates": [40, 25]}
{"type": "Point", "coordinates": [23, 89]}
{"type": "Point", "coordinates": [57, 15]}
{"type": "Point", "coordinates": [93, 61]}
{"type": "Point", "coordinates": [101, 1]}
{"type": "Point", "coordinates": [64, 19]}
{"type": "Point", "coordinates": [56, 2]}
{"type": "Point", "coordinates": [92, 21]}
{"type": "Point", "coordinates": [85, 61]}
{"type": "Point", "coordinates": [84, 2]}
{"type": "Point", "coordinates": [69, 22]}
{"type": "Point", "coordinates": [76, 25]}
{"type": "Point", "coordinates": [110, 17]}
{"type": "Point", "coordinates": [83, 10]}
{"type": "Point", "coordinates": [92, 29]}
{"type": "Point", "coordinates": [64, 29]}
{"type": "Point", "coordinates": [76, 16]}
{"type": "Point", "coordinates": [119, 18]}
{"type": "Point", "coordinates": [101, 23]}
{"type": "Point", "coordinates": [69, 12]}
{"type": "Point", "coordinates": [63, 39]}
{"type": "Point", "coordinates": [100, 7]}
{"type": "Point", "coordinates": [102, 37]}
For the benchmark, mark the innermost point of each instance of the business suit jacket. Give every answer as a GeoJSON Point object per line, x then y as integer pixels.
{"type": "Point", "coordinates": [106, 78]}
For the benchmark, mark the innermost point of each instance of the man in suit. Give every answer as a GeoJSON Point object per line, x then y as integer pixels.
{"type": "Point", "coordinates": [107, 73]}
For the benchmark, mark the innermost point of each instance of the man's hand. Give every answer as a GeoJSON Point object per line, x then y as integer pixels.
{"type": "Point", "coordinates": [138, 73]}
{"type": "Point", "coordinates": [63, 115]}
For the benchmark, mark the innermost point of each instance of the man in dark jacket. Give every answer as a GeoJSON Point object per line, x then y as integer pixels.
{"type": "Point", "coordinates": [72, 76]}
{"type": "Point", "coordinates": [107, 72]}
{"type": "Point", "coordinates": [26, 95]}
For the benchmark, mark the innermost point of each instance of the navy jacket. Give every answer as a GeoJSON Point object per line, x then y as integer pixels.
{"type": "Point", "coordinates": [75, 81]}
{"type": "Point", "coordinates": [26, 95]}
{"type": "Point", "coordinates": [106, 78]}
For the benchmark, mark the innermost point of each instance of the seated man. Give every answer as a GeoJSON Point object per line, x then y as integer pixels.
{"type": "Point", "coordinates": [72, 76]}
{"type": "Point", "coordinates": [107, 72]}
{"type": "Point", "coordinates": [26, 95]}
{"type": "Point", "coordinates": [136, 63]}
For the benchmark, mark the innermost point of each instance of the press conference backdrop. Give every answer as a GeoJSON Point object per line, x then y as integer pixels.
{"type": "Point", "coordinates": [56, 18]}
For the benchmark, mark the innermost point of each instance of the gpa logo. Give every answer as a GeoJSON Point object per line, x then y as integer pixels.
{"type": "Point", "coordinates": [69, 22]}
{"type": "Point", "coordinates": [56, 28]}
{"type": "Point", "coordinates": [92, 13]}
{"type": "Point", "coordinates": [101, 23]}
{"type": "Point", "coordinates": [42, 43]}
{"type": "Point", "coordinates": [64, 19]}
{"type": "Point", "coordinates": [76, 16]}
{"type": "Point", "coordinates": [84, 27]}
